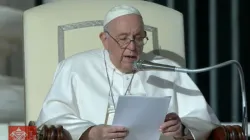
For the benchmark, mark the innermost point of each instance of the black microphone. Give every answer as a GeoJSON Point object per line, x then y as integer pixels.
{"type": "Point", "coordinates": [144, 65]}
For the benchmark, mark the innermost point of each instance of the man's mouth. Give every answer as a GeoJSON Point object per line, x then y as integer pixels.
{"type": "Point", "coordinates": [131, 57]}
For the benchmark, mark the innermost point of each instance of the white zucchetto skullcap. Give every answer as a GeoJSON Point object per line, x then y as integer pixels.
{"type": "Point", "coordinates": [118, 11]}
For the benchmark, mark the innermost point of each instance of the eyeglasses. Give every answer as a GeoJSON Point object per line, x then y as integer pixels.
{"type": "Point", "coordinates": [124, 42]}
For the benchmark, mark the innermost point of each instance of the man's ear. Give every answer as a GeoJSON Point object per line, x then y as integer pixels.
{"type": "Point", "coordinates": [103, 38]}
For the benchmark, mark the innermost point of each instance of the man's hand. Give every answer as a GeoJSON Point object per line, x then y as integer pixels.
{"type": "Point", "coordinates": [172, 126]}
{"type": "Point", "coordinates": [106, 132]}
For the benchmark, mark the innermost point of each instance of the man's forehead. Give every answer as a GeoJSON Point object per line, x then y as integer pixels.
{"type": "Point", "coordinates": [127, 25]}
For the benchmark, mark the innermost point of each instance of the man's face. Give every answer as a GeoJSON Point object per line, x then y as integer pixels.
{"type": "Point", "coordinates": [124, 40]}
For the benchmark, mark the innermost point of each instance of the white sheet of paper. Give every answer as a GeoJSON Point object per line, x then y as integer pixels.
{"type": "Point", "coordinates": [141, 115]}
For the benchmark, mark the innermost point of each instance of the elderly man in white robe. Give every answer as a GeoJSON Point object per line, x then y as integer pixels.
{"type": "Point", "coordinates": [87, 85]}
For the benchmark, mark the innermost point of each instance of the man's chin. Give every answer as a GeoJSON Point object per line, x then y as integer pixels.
{"type": "Point", "coordinates": [128, 68]}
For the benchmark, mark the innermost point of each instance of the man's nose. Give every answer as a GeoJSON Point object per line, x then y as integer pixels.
{"type": "Point", "coordinates": [132, 45]}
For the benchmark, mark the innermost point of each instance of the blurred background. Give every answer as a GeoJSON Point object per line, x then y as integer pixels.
{"type": "Point", "coordinates": [215, 31]}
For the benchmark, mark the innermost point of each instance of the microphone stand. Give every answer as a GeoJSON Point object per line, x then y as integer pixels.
{"type": "Point", "coordinates": [144, 65]}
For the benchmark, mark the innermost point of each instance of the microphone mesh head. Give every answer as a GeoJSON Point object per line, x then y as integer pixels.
{"type": "Point", "coordinates": [135, 65]}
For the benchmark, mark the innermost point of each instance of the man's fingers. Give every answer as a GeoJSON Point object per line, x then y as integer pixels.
{"type": "Point", "coordinates": [113, 129]}
{"type": "Point", "coordinates": [118, 135]}
{"type": "Point", "coordinates": [168, 124]}
{"type": "Point", "coordinates": [172, 128]}
{"type": "Point", "coordinates": [119, 139]}
{"type": "Point", "coordinates": [170, 133]}
{"type": "Point", "coordinates": [171, 116]}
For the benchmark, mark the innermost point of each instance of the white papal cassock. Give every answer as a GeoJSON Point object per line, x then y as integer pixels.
{"type": "Point", "coordinates": [79, 96]}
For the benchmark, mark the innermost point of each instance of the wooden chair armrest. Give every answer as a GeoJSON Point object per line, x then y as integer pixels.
{"type": "Point", "coordinates": [51, 132]}
{"type": "Point", "coordinates": [234, 132]}
{"type": "Point", "coordinates": [229, 132]}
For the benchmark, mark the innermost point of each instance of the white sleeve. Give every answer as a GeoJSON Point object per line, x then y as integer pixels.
{"type": "Point", "coordinates": [195, 113]}
{"type": "Point", "coordinates": [59, 107]}
{"type": "Point", "coordinates": [193, 109]}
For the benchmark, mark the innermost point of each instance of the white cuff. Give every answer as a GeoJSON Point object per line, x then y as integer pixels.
{"type": "Point", "coordinates": [199, 129]}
